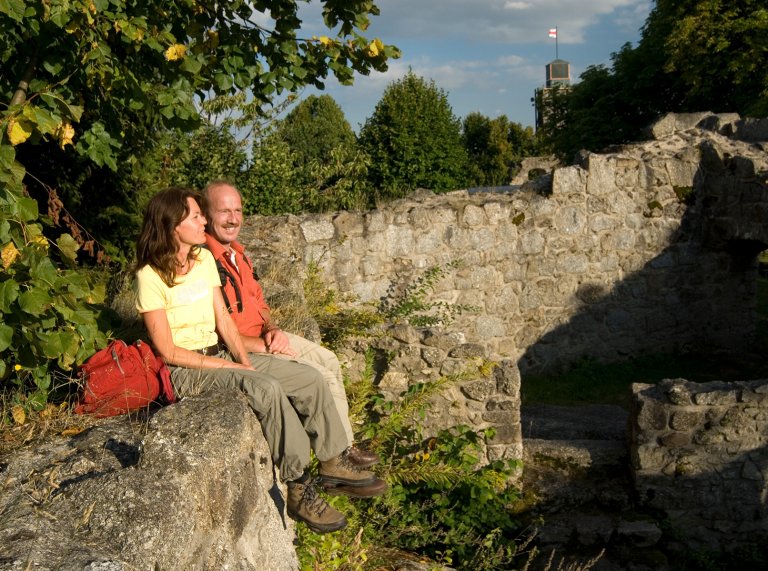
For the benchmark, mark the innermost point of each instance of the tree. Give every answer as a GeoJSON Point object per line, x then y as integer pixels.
{"type": "Point", "coordinates": [495, 147]}
{"type": "Point", "coordinates": [328, 163]}
{"type": "Point", "coordinates": [414, 140]}
{"type": "Point", "coordinates": [98, 80]}
{"type": "Point", "coordinates": [489, 151]}
{"type": "Point", "coordinates": [719, 48]}
{"type": "Point", "coordinates": [314, 128]}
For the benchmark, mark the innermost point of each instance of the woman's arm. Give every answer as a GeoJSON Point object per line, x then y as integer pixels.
{"type": "Point", "coordinates": [159, 332]}
{"type": "Point", "coordinates": [227, 329]}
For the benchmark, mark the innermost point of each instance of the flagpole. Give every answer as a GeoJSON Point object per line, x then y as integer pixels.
{"type": "Point", "coordinates": [556, 40]}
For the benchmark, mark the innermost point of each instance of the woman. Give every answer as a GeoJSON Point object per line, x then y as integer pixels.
{"type": "Point", "coordinates": [179, 298]}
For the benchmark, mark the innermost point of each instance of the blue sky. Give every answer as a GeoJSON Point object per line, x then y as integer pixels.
{"type": "Point", "coordinates": [487, 55]}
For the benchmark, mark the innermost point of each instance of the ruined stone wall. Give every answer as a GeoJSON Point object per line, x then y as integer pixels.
{"type": "Point", "coordinates": [648, 248]}
{"type": "Point", "coordinates": [634, 251]}
{"type": "Point", "coordinates": [700, 455]}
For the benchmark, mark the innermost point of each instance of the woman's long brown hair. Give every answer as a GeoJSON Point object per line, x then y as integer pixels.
{"type": "Point", "coordinates": [156, 245]}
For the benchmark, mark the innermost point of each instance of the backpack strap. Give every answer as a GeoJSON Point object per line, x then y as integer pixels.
{"type": "Point", "coordinates": [226, 276]}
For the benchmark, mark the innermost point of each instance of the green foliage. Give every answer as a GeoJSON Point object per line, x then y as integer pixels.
{"type": "Point", "coordinates": [269, 185]}
{"type": "Point", "coordinates": [339, 182]}
{"type": "Point", "coordinates": [331, 551]}
{"type": "Point", "coordinates": [494, 147]}
{"type": "Point", "coordinates": [414, 140]}
{"type": "Point", "coordinates": [591, 381]}
{"type": "Point", "coordinates": [441, 503]}
{"type": "Point", "coordinates": [315, 128]}
{"type": "Point", "coordinates": [49, 318]}
{"type": "Point", "coordinates": [207, 154]}
{"type": "Point", "coordinates": [718, 49]}
{"type": "Point", "coordinates": [412, 303]}
{"type": "Point", "coordinates": [451, 509]}
{"type": "Point", "coordinates": [116, 68]}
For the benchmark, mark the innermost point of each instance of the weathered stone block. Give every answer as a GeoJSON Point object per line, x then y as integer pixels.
{"type": "Point", "coordinates": [453, 367]}
{"type": "Point", "coordinates": [640, 533]}
{"type": "Point", "coordinates": [507, 434]}
{"type": "Point", "coordinates": [507, 377]}
{"type": "Point", "coordinates": [317, 230]}
{"type": "Point", "coordinates": [191, 483]}
{"type": "Point", "coordinates": [433, 356]}
{"type": "Point", "coordinates": [467, 350]}
{"type": "Point", "coordinates": [685, 420]}
{"type": "Point", "coordinates": [503, 405]}
{"type": "Point", "coordinates": [675, 440]}
{"type": "Point", "coordinates": [501, 417]}
{"type": "Point", "coordinates": [478, 390]}
{"type": "Point", "coordinates": [405, 333]}
{"type": "Point", "coordinates": [444, 340]}
{"type": "Point", "coordinates": [715, 397]}
{"type": "Point", "coordinates": [652, 415]}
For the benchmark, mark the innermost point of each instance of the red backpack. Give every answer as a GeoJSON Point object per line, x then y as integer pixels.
{"type": "Point", "coordinates": [121, 378]}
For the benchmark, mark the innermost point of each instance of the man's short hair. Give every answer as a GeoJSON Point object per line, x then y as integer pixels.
{"type": "Point", "coordinates": [216, 183]}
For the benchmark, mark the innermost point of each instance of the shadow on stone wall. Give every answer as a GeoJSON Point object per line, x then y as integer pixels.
{"type": "Point", "coordinates": [713, 250]}
{"type": "Point", "coordinates": [699, 456]}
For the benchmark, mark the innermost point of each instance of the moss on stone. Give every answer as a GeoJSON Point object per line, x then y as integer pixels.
{"type": "Point", "coordinates": [685, 194]}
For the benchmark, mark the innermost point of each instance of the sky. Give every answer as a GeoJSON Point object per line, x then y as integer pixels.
{"type": "Point", "coordinates": [488, 56]}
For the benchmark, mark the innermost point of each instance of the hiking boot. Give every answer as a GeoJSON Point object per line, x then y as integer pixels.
{"type": "Point", "coordinates": [375, 488]}
{"type": "Point", "coordinates": [340, 471]}
{"type": "Point", "coordinates": [305, 504]}
{"type": "Point", "coordinates": [360, 457]}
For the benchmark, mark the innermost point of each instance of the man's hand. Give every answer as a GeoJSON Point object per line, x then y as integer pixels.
{"type": "Point", "coordinates": [277, 342]}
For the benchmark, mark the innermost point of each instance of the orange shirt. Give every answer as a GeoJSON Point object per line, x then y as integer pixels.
{"type": "Point", "coordinates": [247, 305]}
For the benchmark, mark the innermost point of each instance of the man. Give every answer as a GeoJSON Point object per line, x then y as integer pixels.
{"type": "Point", "coordinates": [270, 347]}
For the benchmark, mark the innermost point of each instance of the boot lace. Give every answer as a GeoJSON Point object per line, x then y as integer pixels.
{"type": "Point", "coordinates": [312, 500]}
{"type": "Point", "coordinates": [346, 463]}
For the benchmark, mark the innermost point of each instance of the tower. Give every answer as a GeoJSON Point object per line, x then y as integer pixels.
{"type": "Point", "coordinates": [558, 73]}
{"type": "Point", "coordinates": [558, 78]}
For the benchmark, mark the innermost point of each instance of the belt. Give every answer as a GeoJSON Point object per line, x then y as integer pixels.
{"type": "Point", "coordinates": [212, 350]}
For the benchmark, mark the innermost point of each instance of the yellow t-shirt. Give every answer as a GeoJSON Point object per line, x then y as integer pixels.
{"type": "Point", "coordinates": [188, 304]}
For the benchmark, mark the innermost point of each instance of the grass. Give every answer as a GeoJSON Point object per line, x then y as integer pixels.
{"type": "Point", "coordinates": [592, 382]}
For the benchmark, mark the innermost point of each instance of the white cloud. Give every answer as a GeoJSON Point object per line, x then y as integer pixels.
{"type": "Point", "coordinates": [508, 21]}
{"type": "Point", "coordinates": [516, 5]}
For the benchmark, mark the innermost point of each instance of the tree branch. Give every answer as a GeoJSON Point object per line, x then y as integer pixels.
{"type": "Point", "coordinates": [21, 90]}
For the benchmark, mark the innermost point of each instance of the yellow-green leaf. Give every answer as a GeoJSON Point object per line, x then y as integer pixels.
{"type": "Point", "coordinates": [19, 130]}
{"type": "Point", "coordinates": [68, 247]}
{"type": "Point", "coordinates": [9, 254]}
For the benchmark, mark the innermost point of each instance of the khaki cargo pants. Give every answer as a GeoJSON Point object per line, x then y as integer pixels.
{"type": "Point", "coordinates": [295, 409]}
{"type": "Point", "coordinates": [320, 358]}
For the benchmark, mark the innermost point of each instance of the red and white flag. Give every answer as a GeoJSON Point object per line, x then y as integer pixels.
{"type": "Point", "coordinates": [553, 32]}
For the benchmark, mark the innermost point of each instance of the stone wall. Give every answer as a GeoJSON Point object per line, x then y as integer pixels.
{"type": "Point", "coordinates": [700, 455]}
{"type": "Point", "coordinates": [648, 248]}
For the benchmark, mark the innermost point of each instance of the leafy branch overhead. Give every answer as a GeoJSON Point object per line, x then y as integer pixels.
{"type": "Point", "coordinates": [84, 86]}
{"type": "Point", "coordinates": [83, 71]}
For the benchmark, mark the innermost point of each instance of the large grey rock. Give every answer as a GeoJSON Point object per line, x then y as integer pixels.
{"type": "Point", "coordinates": [673, 122]}
{"type": "Point", "coordinates": [188, 487]}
